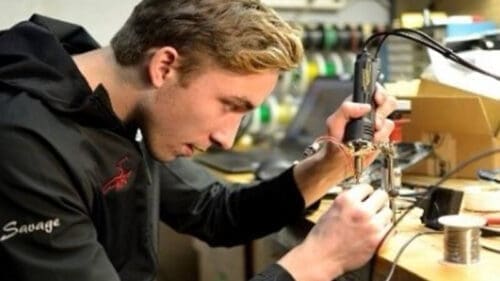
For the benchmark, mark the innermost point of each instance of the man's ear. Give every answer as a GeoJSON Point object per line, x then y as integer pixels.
{"type": "Point", "coordinates": [162, 65]}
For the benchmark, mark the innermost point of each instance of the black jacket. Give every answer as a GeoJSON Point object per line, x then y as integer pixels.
{"type": "Point", "coordinates": [80, 199]}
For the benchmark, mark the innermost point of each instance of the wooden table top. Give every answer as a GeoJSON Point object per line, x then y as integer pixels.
{"type": "Point", "coordinates": [423, 258]}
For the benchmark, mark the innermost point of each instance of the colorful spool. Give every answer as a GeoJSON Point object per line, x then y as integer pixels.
{"type": "Point", "coordinates": [339, 65]}
{"type": "Point", "coordinates": [344, 36]}
{"type": "Point", "coordinates": [331, 69]}
{"type": "Point", "coordinates": [356, 39]}
{"type": "Point", "coordinates": [348, 59]}
{"type": "Point", "coordinates": [315, 37]}
{"type": "Point", "coordinates": [320, 61]}
{"type": "Point", "coordinates": [330, 37]}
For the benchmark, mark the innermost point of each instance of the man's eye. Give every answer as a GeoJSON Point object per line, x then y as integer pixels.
{"type": "Point", "coordinates": [229, 106]}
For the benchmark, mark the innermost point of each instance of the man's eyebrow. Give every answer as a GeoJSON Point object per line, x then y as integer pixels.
{"type": "Point", "coordinates": [242, 102]}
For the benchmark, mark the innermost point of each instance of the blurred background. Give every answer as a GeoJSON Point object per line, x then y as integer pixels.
{"type": "Point", "coordinates": [333, 33]}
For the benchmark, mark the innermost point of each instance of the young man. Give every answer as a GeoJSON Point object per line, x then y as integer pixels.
{"type": "Point", "coordinates": [80, 197]}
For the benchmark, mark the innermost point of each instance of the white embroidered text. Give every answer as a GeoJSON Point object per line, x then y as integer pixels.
{"type": "Point", "coordinates": [11, 229]}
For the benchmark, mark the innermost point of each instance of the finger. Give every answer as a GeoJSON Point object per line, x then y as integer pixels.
{"type": "Point", "coordinates": [377, 200]}
{"type": "Point", "coordinates": [337, 121]}
{"type": "Point", "coordinates": [380, 94]}
{"type": "Point", "coordinates": [349, 110]}
{"type": "Point", "coordinates": [359, 192]}
{"type": "Point", "coordinates": [387, 107]}
{"type": "Point", "coordinates": [382, 134]}
{"type": "Point", "coordinates": [384, 234]}
{"type": "Point", "coordinates": [379, 122]}
{"type": "Point", "coordinates": [383, 218]}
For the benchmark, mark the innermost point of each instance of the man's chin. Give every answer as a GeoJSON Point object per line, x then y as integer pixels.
{"type": "Point", "coordinates": [164, 157]}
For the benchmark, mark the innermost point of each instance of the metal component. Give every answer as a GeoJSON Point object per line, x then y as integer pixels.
{"type": "Point", "coordinates": [360, 146]}
{"type": "Point", "coordinates": [358, 167]}
{"type": "Point", "coordinates": [358, 149]}
{"type": "Point", "coordinates": [312, 149]}
{"type": "Point", "coordinates": [388, 179]}
{"type": "Point", "coordinates": [394, 207]}
{"type": "Point", "coordinates": [388, 175]}
{"type": "Point", "coordinates": [359, 132]}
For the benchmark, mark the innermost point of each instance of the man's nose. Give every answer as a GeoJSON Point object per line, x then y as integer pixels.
{"type": "Point", "coordinates": [225, 136]}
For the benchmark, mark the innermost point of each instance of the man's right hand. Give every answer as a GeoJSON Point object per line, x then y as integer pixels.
{"type": "Point", "coordinates": [344, 238]}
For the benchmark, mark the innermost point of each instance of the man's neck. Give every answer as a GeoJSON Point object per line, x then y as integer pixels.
{"type": "Point", "coordinates": [124, 85]}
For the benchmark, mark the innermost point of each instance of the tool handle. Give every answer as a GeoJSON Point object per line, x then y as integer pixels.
{"type": "Point", "coordinates": [365, 78]}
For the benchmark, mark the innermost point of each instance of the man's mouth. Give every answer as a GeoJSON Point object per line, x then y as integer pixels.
{"type": "Point", "coordinates": [197, 148]}
{"type": "Point", "coordinates": [191, 149]}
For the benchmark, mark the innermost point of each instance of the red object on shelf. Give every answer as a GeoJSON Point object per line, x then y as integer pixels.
{"type": "Point", "coordinates": [397, 134]}
{"type": "Point", "coordinates": [493, 220]}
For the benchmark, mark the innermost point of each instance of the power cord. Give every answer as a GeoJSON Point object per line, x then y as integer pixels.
{"type": "Point", "coordinates": [491, 249]}
{"type": "Point", "coordinates": [431, 189]}
{"type": "Point", "coordinates": [426, 40]}
{"type": "Point", "coordinates": [401, 250]}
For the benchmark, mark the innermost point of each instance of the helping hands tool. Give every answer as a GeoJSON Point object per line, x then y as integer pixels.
{"type": "Point", "coordinates": [359, 132]}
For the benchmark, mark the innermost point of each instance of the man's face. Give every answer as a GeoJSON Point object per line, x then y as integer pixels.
{"type": "Point", "coordinates": [207, 111]}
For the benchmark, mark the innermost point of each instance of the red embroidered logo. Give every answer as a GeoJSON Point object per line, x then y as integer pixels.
{"type": "Point", "coordinates": [120, 179]}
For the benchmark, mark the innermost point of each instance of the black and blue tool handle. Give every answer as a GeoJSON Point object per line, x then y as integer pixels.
{"type": "Point", "coordinates": [366, 70]}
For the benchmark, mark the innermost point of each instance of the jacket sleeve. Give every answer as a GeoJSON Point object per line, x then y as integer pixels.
{"type": "Point", "coordinates": [45, 230]}
{"type": "Point", "coordinates": [274, 272]}
{"type": "Point", "coordinates": [194, 202]}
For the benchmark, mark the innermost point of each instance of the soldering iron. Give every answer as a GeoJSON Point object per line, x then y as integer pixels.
{"type": "Point", "coordinates": [359, 134]}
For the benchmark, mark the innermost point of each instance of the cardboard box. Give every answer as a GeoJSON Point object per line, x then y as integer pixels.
{"type": "Point", "coordinates": [458, 124]}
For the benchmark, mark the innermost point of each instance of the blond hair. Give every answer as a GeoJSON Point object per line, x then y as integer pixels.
{"type": "Point", "coordinates": [238, 35]}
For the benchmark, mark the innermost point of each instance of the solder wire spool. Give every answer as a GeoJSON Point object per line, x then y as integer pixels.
{"type": "Point", "coordinates": [461, 238]}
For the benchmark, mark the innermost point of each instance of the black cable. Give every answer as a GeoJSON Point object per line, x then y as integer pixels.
{"type": "Point", "coordinates": [426, 40]}
{"type": "Point", "coordinates": [434, 186]}
{"type": "Point", "coordinates": [407, 31]}
{"type": "Point", "coordinates": [437, 48]}
{"type": "Point", "coordinates": [444, 178]}
{"type": "Point", "coordinates": [417, 32]}
{"type": "Point", "coordinates": [466, 163]}
{"type": "Point", "coordinates": [401, 250]}
{"type": "Point", "coordinates": [491, 249]}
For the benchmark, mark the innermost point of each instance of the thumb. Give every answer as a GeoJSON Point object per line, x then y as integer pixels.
{"type": "Point", "coordinates": [337, 122]}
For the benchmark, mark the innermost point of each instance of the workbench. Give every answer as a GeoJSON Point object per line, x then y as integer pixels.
{"type": "Point", "coordinates": [423, 258]}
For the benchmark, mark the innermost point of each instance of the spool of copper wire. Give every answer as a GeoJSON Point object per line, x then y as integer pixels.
{"type": "Point", "coordinates": [461, 238]}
